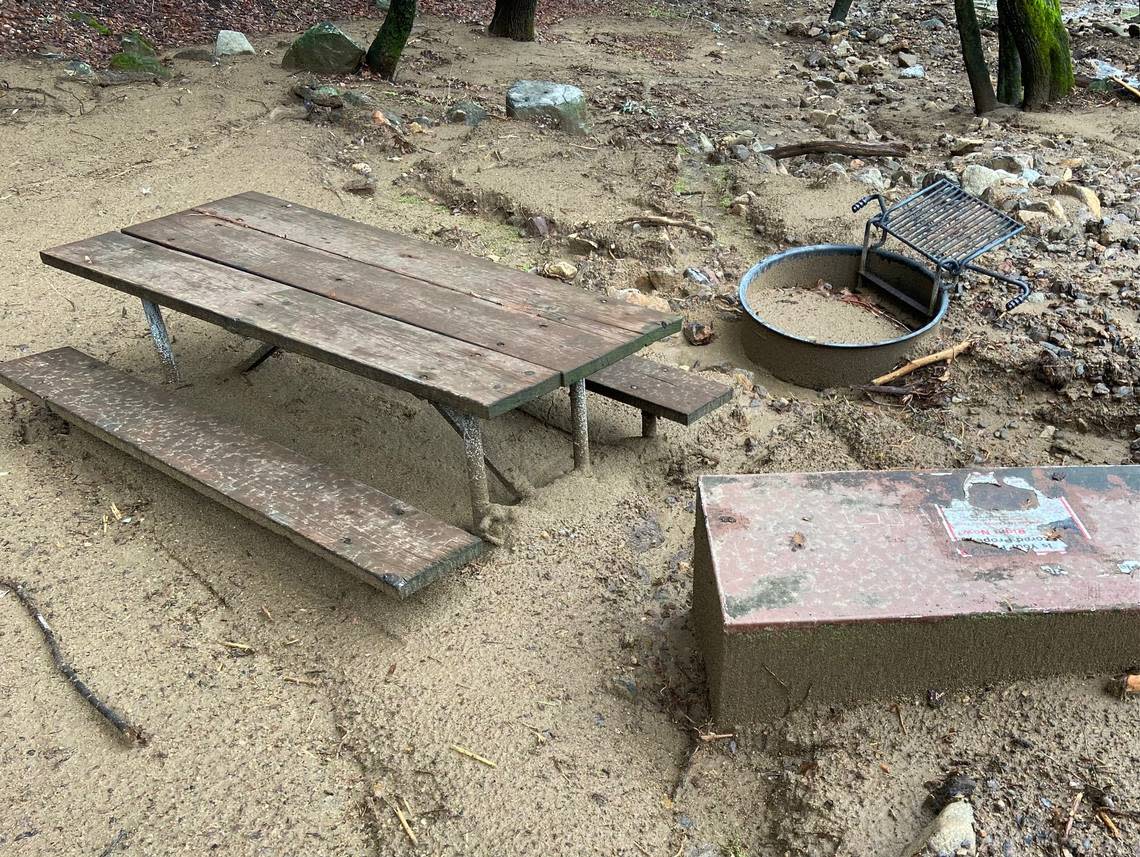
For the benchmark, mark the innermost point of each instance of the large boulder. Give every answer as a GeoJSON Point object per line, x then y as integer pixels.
{"type": "Point", "coordinates": [231, 43]}
{"type": "Point", "coordinates": [324, 49]}
{"type": "Point", "coordinates": [545, 102]}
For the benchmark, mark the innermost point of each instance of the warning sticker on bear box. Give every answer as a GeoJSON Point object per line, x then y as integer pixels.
{"type": "Point", "coordinates": [1010, 514]}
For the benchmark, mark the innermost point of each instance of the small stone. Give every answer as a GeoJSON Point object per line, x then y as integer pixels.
{"type": "Point", "coordinates": [906, 60]}
{"type": "Point", "coordinates": [967, 146]}
{"type": "Point", "coordinates": [232, 43]}
{"type": "Point", "coordinates": [537, 227]}
{"type": "Point", "coordinates": [544, 101]}
{"type": "Point", "coordinates": [466, 112]}
{"type": "Point", "coordinates": [79, 69]}
{"type": "Point", "coordinates": [639, 298]}
{"type": "Point", "coordinates": [951, 834]}
{"type": "Point", "coordinates": [363, 186]}
{"type": "Point", "coordinates": [976, 179]}
{"type": "Point", "coordinates": [623, 687]}
{"type": "Point", "coordinates": [698, 333]}
{"type": "Point", "coordinates": [914, 72]}
{"type": "Point", "coordinates": [872, 177]}
{"type": "Point", "coordinates": [195, 55]}
{"type": "Point", "coordinates": [664, 279]}
{"type": "Point", "coordinates": [362, 168]}
{"type": "Point", "coordinates": [1086, 196]}
{"type": "Point", "coordinates": [823, 119]}
{"type": "Point", "coordinates": [933, 24]}
{"type": "Point", "coordinates": [560, 270]}
{"type": "Point", "coordinates": [1100, 390]}
{"type": "Point", "coordinates": [1052, 207]}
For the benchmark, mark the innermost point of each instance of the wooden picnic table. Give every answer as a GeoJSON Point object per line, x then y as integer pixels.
{"type": "Point", "coordinates": [473, 338]}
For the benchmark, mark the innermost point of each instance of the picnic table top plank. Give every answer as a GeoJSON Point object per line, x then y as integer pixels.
{"type": "Point", "coordinates": [477, 380]}
{"type": "Point", "coordinates": [570, 350]}
{"type": "Point", "coordinates": [441, 266]}
{"type": "Point", "coordinates": [385, 541]}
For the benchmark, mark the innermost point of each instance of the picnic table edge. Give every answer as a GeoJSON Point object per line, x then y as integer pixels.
{"type": "Point", "coordinates": [296, 346]}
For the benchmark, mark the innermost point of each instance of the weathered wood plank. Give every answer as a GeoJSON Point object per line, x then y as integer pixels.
{"type": "Point", "coordinates": [655, 388]}
{"type": "Point", "coordinates": [385, 542]}
{"type": "Point", "coordinates": [440, 265]}
{"type": "Point", "coordinates": [569, 350]}
{"type": "Point", "coordinates": [476, 380]}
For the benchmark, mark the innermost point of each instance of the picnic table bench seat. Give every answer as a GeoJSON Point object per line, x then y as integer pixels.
{"type": "Point", "coordinates": [382, 540]}
{"type": "Point", "coordinates": [659, 390]}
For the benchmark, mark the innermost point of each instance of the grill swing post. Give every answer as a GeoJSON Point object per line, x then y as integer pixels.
{"type": "Point", "coordinates": [946, 226]}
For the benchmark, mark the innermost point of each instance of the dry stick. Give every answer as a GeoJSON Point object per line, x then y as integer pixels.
{"type": "Point", "coordinates": [824, 147]}
{"type": "Point", "coordinates": [936, 357]}
{"type": "Point", "coordinates": [131, 733]}
{"type": "Point", "coordinates": [1121, 82]}
{"type": "Point", "coordinates": [659, 220]}
{"type": "Point", "coordinates": [1072, 815]}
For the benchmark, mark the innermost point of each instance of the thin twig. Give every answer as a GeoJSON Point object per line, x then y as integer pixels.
{"type": "Point", "coordinates": [660, 220]}
{"type": "Point", "coordinates": [944, 354]}
{"type": "Point", "coordinates": [471, 754]}
{"type": "Point", "coordinates": [130, 732]}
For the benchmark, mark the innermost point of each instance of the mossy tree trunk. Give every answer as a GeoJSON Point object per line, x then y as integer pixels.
{"type": "Point", "coordinates": [384, 52]}
{"type": "Point", "coordinates": [981, 86]}
{"type": "Point", "coordinates": [1009, 65]}
{"type": "Point", "coordinates": [514, 19]}
{"type": "Point", "coordinates": [1036, 28]}
{"type": "Point", "coordinates": [839, 10]}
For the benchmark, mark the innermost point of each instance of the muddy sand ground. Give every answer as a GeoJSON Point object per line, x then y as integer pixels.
{"type": "Point", "coordinates": [565, 656]}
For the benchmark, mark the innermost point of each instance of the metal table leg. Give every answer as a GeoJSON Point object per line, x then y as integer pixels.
{"type": "Point", "coordinates": [581, 426]}
{"type": "Point", "coordinates": [516, 483]}
{"type": "Point", "coordinates": [263, 353]}
{"type": "Point", "coordinates": [648, 424]}
{"type": "Point", "coordinates": [161, 338]}
{"type": "Point", "coordinates": [476, 462]}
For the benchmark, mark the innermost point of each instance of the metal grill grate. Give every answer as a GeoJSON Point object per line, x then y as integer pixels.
{"type": "Point", "coordinates": [946, 225]}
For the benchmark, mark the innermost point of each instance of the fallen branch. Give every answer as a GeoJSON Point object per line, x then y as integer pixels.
{"type": "Point", "coordinates": [936, 357]}
{"type": "Point", "coordinates": [659, 220]}
{"type": "Point", "coordinates": [838, 147]}
{"type": "Point", "coordinates": [131, 733]}
{"type": "Point", "coordinates": [1123, 84]}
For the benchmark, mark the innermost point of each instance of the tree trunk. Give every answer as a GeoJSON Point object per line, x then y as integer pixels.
{"type": "Point", "coordinates": [1035, 26]}
{"type": "Point", "coordinates": [1009, 65]}
{"type": "Point", "coordinates": [514, 19]}
{"type": "Point", "coordinates": [975, 58]}
{"type": "Point", "coordinates": [384, 52]}
{"type": "Point", "coordinates": [839, 10]}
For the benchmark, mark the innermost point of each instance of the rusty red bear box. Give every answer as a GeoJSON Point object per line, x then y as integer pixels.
{"type": "Point", "coordinates": [832, 587]}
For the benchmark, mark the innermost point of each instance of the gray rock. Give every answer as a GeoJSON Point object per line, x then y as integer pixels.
{"type": "Point", "coordinates": [543, 101]}
{"type": "Point", "coordinates": [907, 60]}
{"type": "Point", "coordinates": [195, 55]}
{"type": "Point", "coordinates": [231, 43]}
{"type": "Point", "coordinates": [951, 834]}
{"type": "Point", "coordinates": [623, 687]}
{"type": "Point", "coordinates": [468, 112]}
{"type": "Point", "coordinates": [872, 177]}
{"type": "Point", "coordinates": [976, 179]}
{"type": "Point", "coordinates": [324, 49]}
{"type": "Point", "coordinates": [79, 69]}
{"type": "Point", "coordinates": [933, 24]}
{"type": "Point", "coordinates": [914, 72]}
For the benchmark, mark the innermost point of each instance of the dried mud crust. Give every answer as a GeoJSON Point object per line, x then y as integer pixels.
{"type": "Point", "coordinates": [565, 656]}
